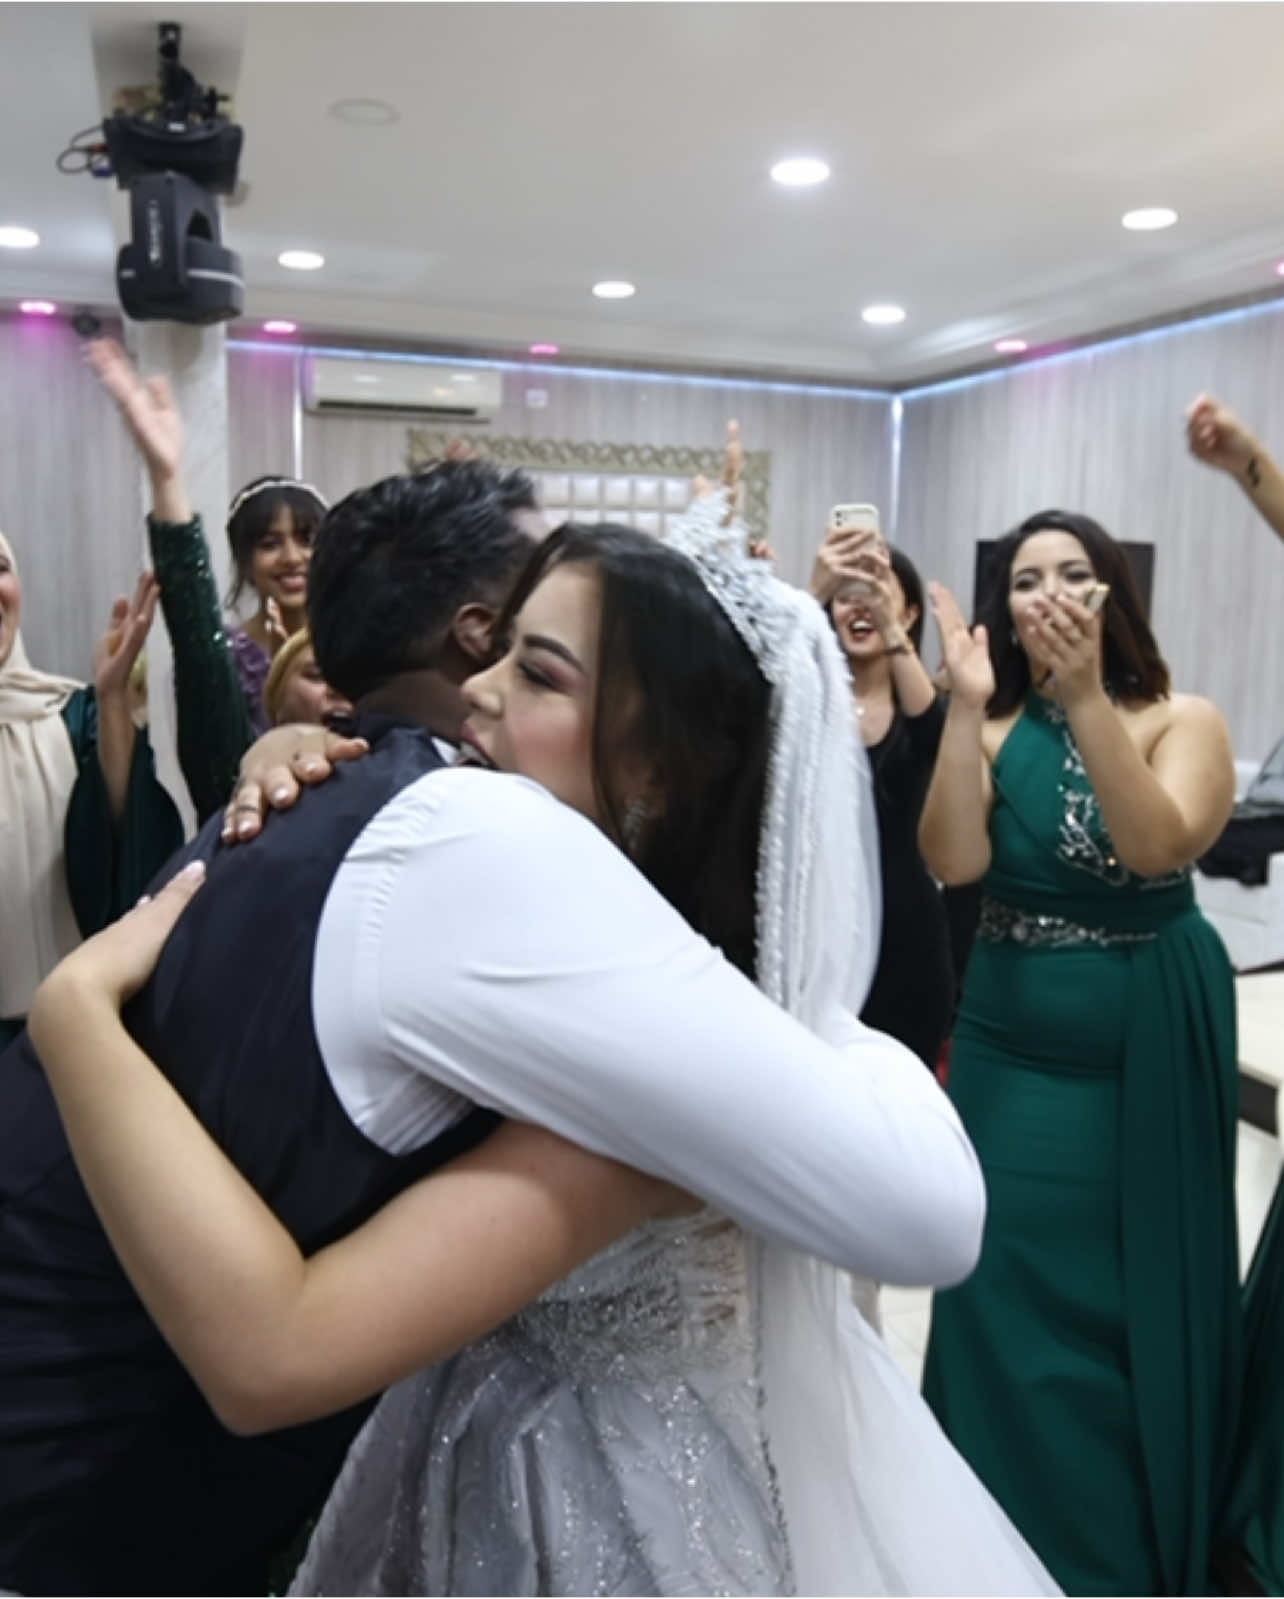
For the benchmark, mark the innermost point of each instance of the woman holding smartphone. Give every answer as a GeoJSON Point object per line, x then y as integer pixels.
{"type": "Point", "coordinates": [1089, 1369]}
{"type": "Point", "coordinates": [874, 598]}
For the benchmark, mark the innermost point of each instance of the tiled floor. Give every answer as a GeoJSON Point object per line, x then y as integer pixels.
{"type": "Point", "coordinates": [906, 1311]}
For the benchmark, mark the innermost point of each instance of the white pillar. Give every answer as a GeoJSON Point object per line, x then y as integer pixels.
{"type": "Point", "coordinates": [195, 362]}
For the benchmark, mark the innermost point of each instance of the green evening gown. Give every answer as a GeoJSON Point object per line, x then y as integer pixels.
{"type": "Point", "coordinates": [1254, 1523]}
{"type": "Point", "coordinates": [1089, 1369]}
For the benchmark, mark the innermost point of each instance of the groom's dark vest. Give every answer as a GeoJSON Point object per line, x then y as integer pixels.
{"type": "Point", "coordinates": [115, 1476]}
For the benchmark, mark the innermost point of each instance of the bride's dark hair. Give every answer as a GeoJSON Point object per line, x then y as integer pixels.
{"type": "Point", "coordinates": [679, 695]}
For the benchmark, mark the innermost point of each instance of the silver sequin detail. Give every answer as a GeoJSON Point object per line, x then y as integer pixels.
{"type": "Point", "coordinates": [1083, 840]}
{"type": "Point", "coordinates": [1036, 930]}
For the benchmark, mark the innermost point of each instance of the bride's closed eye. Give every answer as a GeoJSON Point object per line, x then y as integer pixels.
{"type": "Point", "coordinates": [534, 676]}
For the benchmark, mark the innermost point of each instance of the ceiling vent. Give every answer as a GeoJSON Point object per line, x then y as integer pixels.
{"type": "Point", "coordinates": [415, 388]}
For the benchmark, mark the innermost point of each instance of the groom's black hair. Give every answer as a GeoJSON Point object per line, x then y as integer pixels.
{"type": "Point", "coordinates": [393, 563]}
{"type": "Point", "coordinates": [679, 701]}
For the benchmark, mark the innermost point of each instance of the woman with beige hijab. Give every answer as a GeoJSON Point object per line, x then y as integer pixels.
{"type": "Point", "coordinates": [84, 823]}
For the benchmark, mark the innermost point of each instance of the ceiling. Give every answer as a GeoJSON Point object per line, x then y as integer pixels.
{"type": "Point", "coordinates": [982, 156]}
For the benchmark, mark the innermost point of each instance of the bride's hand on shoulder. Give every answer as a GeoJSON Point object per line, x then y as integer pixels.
{"type": "Point", "coordinates": [112, 966]}
{"type": "Point", "coordinates": [276, 766]}
{"type": "Point", "coordinates": [966, 651]}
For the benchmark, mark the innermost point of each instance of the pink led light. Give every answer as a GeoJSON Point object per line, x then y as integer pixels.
{"type": "Point", "coordinates": [545, 349]}
{"type": "Point", "coordinates": [278, 326]}
{"type": "Point", "coordinates": [1011, 346]}
{"type": "Point", "coordinates": [38, 307]}
{"type": "Point", "coordinates": [1279, 267]}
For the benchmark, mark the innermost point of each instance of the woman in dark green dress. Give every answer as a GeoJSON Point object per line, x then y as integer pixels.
{"type": "Point", "coordinates": [84, 823]}
{"type": "Point", "coordinates": [219, 671]}
{"type": "Point", "coordinates": [1089, 1369]}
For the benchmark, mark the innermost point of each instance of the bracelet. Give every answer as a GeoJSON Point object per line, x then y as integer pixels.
{"type": "Point", "coordinates": [897, 649]}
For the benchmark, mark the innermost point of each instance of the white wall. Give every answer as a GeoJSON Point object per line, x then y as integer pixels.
{"type": "Point", "coordinates": [1101, 431]}
{"type": "Point", "coordinates": [1098, 431]}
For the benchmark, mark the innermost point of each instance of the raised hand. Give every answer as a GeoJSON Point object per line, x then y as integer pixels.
{"type": "Point", "coordinates": [1067, 636]}
{"type": "Point", "coordinates": [276, 629]}
{"type": "Point", "coordinates": [839, 561]}
{"type": "Point", "coordinates": [148, 406]}
{"type": "Point", "coordinates": [126, 632]}
{"type": "Point", "coordinates": [966, 651]}
{"type": "Point", "coordinates": [274, 767]}
{"type": "Point", "coordinates": [1217, 437]}
{"type": "Point", "coordinates": [733, 461]}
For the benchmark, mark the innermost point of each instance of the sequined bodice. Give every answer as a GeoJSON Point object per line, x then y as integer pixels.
{"type": "Point", "coordinates": [666, 1300]}
{"type": "Point", "coordinates": [1055, 877]}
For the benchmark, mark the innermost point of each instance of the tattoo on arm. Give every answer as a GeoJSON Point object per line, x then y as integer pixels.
{"type": "Point", "coordinates": [1253, 473]}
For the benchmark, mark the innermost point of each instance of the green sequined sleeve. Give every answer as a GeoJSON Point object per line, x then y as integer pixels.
{"type": "Point", "coordinates": [214, 728]}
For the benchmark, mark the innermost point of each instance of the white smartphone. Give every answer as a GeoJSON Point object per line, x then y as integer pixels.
{"type": "Point", "coordinates": [1098, 594]}
{"type": "Point", "coordinates": [855, 519]}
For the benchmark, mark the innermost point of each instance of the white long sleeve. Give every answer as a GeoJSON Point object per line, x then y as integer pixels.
{"type": "Point", "coordinates": [484, 940]}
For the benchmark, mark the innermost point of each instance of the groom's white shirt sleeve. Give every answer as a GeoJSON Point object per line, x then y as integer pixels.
{"type": "Point", "coordinates": [483, 942]}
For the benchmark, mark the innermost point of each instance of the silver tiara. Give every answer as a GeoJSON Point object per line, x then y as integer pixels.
{"type": "Point", "coordinates": [276, 483]}
{"type": "Point", "coordinates": [745, 587]}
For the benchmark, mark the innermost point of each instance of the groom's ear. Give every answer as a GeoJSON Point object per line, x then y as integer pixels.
{"type": "Point", "coordinates": [472, 627]}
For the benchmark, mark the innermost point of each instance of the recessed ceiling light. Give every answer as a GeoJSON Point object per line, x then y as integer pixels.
{"type": "Point", "coordinates": [883, 316]}
{"type": "Point", "coordinates": [14, 238]}
{"type": "Point", "coordinates": [545, 349]}
{"type": "Point", "coordinates": [301, 260]}
{"type": "Point", "coordinates": [1011, 346]}
{"type": "Point", "coordinates": [363, 113]}
{"type": "Point", "coordinates": [614, 289]}
{"type": "Point", "coordinates": [279, 325]}
{"type": "Point", "coordinates": [1149, 219]}
{"type": "Point", "coordinates": [38, 307]}
{"type": "Point", "coordinates": [800, 172]}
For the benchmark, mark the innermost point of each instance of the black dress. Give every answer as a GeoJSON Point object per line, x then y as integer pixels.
{"type": "Point", "coordinates": [912, 996]}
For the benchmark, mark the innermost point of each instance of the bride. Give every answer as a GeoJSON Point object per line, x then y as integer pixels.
{"type": "Point", "coordinates": [694, 1410]}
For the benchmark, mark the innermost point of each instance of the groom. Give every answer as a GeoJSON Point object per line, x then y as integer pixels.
{"type": "Point", "coordinates": [115, 1476]}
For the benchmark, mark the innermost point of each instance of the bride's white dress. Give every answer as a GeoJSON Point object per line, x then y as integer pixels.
{"type": "Point", "coordinates": [697, 1410]}
{"type": "Point", "coordinates": [614, 1439]}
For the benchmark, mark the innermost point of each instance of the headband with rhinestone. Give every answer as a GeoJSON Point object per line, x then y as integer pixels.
{"type": "Point", "coordinates": [276, 483]}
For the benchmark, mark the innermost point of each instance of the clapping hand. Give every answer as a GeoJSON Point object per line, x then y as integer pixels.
{"type": "Point", "coordinates": [1065, 636]}
{"type": "Point", "coordinates": [1217, 437]}
{"type": "Point", "coordinates": [966, 651]}
{"type": "Point", "coordinates": [127, 629]}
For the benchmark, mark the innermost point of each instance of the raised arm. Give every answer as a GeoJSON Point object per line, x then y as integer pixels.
{"type": "Point", "coordinates": [1217, 437]}
{"type": "Point", "coordinates": [954, 829]}
{"type": "Point", "coordinates": [213, 726]}
{"type": "Point", "coordinates": [118, 650]}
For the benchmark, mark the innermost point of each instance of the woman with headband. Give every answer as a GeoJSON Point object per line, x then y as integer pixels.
{"type": "Point", "coordinates": [270, 528]}
{"type": "Point", "coordinates": [219, 671]}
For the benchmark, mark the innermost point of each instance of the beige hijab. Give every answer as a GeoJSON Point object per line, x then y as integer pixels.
{"type": "Point", "coordinates": [37, 774]}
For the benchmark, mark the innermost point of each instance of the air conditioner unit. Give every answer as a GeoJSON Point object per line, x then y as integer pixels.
{"type": "Point", "coordinates": [418, 388]}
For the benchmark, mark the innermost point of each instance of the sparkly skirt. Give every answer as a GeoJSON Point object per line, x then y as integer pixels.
{"type": "Point", "coordinates": [605, 1441]}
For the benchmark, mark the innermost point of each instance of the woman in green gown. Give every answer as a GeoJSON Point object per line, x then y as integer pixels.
{"type": "Point", "coordinates": [1089, 1369]}
{"type": "Point", "coordinates": [84, 823]}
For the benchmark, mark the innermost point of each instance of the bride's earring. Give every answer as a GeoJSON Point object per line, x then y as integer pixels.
{"type": "Point", "coordinates": [636, 816]}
